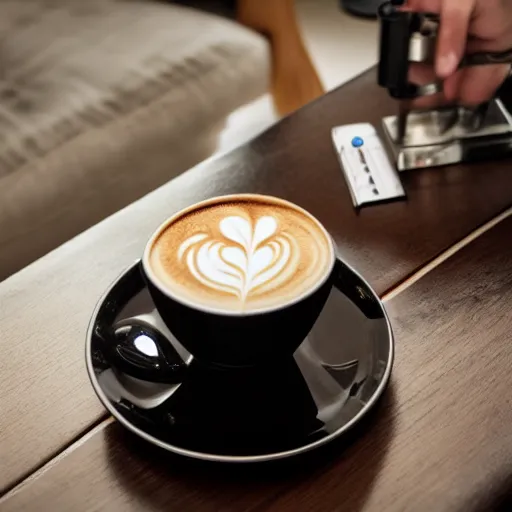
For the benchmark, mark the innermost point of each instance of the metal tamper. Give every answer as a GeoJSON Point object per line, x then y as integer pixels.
{"type": "Point", "coordinates": [441, 136]}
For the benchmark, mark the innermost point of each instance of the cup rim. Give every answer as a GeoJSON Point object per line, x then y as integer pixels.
{"type": "Point", "coordinates": [223, 312]}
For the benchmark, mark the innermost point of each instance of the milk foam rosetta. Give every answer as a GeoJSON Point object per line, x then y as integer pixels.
{"type": "Point", "coordinates": [241, 255]}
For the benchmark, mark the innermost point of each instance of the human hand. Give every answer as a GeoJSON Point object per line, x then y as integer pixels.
{"type": "Point", "coordinates": [467, 26]}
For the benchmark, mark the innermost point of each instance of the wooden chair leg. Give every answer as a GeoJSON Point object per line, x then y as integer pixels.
{"type": "Point", "coordinates": [295, 81]}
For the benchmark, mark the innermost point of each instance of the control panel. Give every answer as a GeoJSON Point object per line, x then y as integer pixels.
{"type": "Point", "coordinates": [369, 173]}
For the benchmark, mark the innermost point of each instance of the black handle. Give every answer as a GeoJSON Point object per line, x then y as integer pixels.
{"type": "Point", "coordinates": [395, 34]}
{"type": "Point", "coordinates": [134, 347]}
{"type": "Point", "coordinates": [141, 351]}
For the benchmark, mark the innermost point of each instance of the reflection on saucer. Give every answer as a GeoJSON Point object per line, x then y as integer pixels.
{"type": "Point", "coordinates": [143, 394]}
{"type": "Point", "coordinates": [286, 408]}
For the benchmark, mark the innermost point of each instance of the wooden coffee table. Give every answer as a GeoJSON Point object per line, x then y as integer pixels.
{"type": "Point", "coordinates": [442, 436]}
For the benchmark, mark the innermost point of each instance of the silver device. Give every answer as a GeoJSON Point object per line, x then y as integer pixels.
{"type": "Point", "coordinates": [445, 135]}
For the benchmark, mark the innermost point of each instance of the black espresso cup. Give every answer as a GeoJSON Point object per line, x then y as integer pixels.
{"type": "Point", "coordinates": [239, 280]}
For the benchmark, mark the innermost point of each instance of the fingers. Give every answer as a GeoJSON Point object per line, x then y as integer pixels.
{"type": "Point", "coordinates": [453, 34]}
{"type": "Point", "coordinates": [432, 6]}
{"type": "Point", "coordinates": [471, 86]}
{"type": "Point", "coordinates": [453, 31]}
{"type": "Point", "coordinates": [452, 85]}
{"type": "Point", "coordinates": [479, 84]}
{"type": "Point", "coordinates": [421, 74]}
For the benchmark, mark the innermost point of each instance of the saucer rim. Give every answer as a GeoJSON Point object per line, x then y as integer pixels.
{"type": "Point", "coordinates": [240, 459]}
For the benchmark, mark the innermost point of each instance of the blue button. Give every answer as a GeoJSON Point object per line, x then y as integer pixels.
{"type": "Point", "coordinates": [357, 142]}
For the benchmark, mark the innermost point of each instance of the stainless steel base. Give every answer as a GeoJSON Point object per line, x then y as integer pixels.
{"type": "Point", "coordinates": [450, 136]}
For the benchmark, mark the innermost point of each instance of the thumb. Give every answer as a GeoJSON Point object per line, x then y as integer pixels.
{"type": "Point", "coordinates": [453, 35]}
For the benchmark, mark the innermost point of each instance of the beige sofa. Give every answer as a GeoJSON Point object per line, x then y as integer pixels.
{"type": "Point", "coordinates": [102, 101]}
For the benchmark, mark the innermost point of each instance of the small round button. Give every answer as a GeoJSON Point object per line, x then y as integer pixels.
{"type": "Point", "coordinates": [357, 142]}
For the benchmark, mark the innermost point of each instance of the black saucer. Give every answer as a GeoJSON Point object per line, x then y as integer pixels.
{"type": "Point", "coordinates": [332, 381]}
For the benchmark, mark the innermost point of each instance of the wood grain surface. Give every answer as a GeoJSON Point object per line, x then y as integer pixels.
{"type": "Point", "coordinates": [46, 399]}
{"type": "Point", "coordinates": [441, 440]}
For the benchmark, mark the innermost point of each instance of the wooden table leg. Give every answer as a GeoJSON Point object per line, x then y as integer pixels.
{"type": "Point", "coordinates": [295, 81]}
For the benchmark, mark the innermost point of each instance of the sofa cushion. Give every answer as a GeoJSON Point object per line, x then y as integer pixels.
{"type": "Point", "coordinates": [69, 66]}
{"type": "Point", "coordinates": [103, 101]}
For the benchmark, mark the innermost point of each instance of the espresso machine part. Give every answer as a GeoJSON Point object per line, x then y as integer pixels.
{"type": "Point", "coordinates": [440, 136]}
{"type": "Point", "coordinates": [370, 175]}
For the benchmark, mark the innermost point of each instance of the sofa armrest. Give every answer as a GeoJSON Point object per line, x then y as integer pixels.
{"type": "Point", "coordinates": [295, 81]}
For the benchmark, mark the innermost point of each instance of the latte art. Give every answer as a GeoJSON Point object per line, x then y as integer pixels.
{"type": "Point", "coordinates": [253, 260]}
{"type": "Point", "coordinates": [245, 254]}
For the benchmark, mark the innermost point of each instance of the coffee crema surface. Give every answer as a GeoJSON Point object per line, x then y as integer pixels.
{"type": "Point", "coordinates": [243, 254]}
